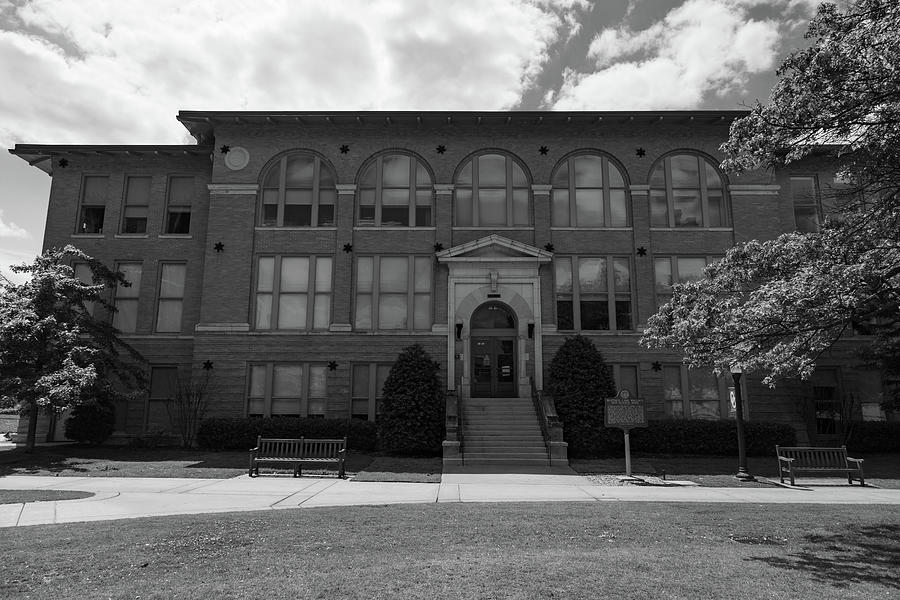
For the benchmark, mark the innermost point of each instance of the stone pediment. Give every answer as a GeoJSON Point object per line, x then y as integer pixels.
{"type": "Point", "coordinates": [494, 248]}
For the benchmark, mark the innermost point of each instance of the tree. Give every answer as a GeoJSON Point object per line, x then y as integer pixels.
{"type": "Point", "coordinates": [412, 413]}
{"type": "Point", "coordinates": [775, 306]}
{"type": "Point", "coordinates": [579, 381]}
{"type": "Point", "coordinates": [53, 353]}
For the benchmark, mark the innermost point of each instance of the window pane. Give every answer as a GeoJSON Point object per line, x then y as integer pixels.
{"type": "Point", "coordinates": [561, 176]}
{"type": "Point", "coordinates": [138, 190]}
{"type": "Point", "coordinates": [135, 219]}
{"type": "Point", "coordinates": [323, 274]}
{"type": "Point", "coordinates": [322, 311]}
{"type": "Point", "coordinates": [394, 274]}
{"type": "Point", "coordinates": [258, 381]}
{"type": "Point", "coordinates": [181, 190]}
{"type": "Point", "coordinates": [300, 171]}
{"type": "Point", "coordinates": [422, 176]}
{"type": "Point", "coordinates": [286, 380]}
{"type": "Point", "coordinates": [423, 216]}
{"type": "Point", "coordinates": [622, 274]}
{"type": "Point", "coordinates": [273, 178]}
{"type": "Point", "coordinates": [423, 274]}
{"type": "Point", "coordinates": [492, 170]}
{"type": "Point", "coordinates": [589, 208]}
{"type": "Point", "coordinates": [716, 210]}
{"type": "Point", "coordinates": [685, 171]}
{"type": "Point", "coordinates": [465, 175]}
{"type": "Point", "coordinates": [178, 222]}
{"type": "Point", "coordinates": [616, 180]}
{"type": "Point", "coordinates": [518, 175]}
{"type": "Point", "coordinates": [163, 381]}
{"type": "Point", "coordinates": [521, 214]}
{"type": "Point", "coordinates": [592, 275]}
{"type": "Point", "coordinates": [363, 315]}
{"type": "Point", "coordinates": [265, 278]}
{"type": "Point", "coordinates": [662, 271]}
{"type": "Point", "coordinates": [326, 215]}
{"type": "Point", "coordinates": [132, 274]}
{"type": "Point", "coordinates": [369, 175]}
{"type": "Point", "coordinates": [560, 208]}
{"type": "Point", "coordinates": [326, 177]}
{"type": "Point", "coordinates": [713, 180]}
{"type": "Point", "coordinates": [807, 219]}
{"type": "Point", "coordinates": [563, 275]}
{"type": "Point", "coordinates": [687, 208]}
{"type": "Point", "coordinates": [294, 274]}
{"type": "Point", "coordinates": [674, 403]}
{"type": "Point", "coordinates": [628, 379]}
{"type": "Point", "coordinates": [491, 207]}
{"type": "Point", "coordinates": [297, 215]}
{"type": "Point", "coordinates": [395, 208]}
{"type": "Point", "coordinates": [422, 312]}
{"type": "Point", "coordinates": [96, 190]}
{"type": "Point", "coordinates": [125, 319]}
{"type": "Point", "coordinates": [392, 311]}
{"type": "Point", "coordinates": [292, 311]}
{"type": "Point", "coordinates": [704, 394]}
{"type": "Point", "coordinates": [659, 209]}
{"type": "Point", "coordinates": [381, 375]}
{"type": "Point", "coordinates": [658, 176]}
{"type": "Point", "coordinates": [367, 207]}
{"type": "Point", "coordinates": [463, 208]}
{"type": "Point", "coordinates": [91, 220]}
{"type": "Point", "coordinates": [565, 318]}
{"type": "Point", "coordinates": [623, 315]}
{"type": "Point", "coordinates": [172, 282]}
{"type": "Point", "coordinates": [803, 190]}
{"type": "Point", "coordinates": [285, 407]}
{"type": "Point", "coordinates": [690, 269]}
{"type": "Point", "coordinates": [318, 381]}
{"type": "Point", "coordinates": [618, 209]}
{"type": "Point", "coordinates": [360, 381]}
{"type": "Point", "coordinates": [364, 274]}
{"type": "Point", "coordinates": [263, 311]}
{"type": "Point", "coordinates": [395, 171]}
{"type": "Point", "coordinates": [588, 171]}
{"type": "Point", "coordinates": [168, 318]}
{"type": "Point", "coordinates": [594, 314]}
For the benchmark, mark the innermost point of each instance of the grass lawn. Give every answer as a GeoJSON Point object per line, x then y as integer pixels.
{"type": "Point", "coordinates": [553, 550]}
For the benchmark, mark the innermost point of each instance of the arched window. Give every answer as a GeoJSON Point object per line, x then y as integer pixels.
{"type": "Point", "coordinates": [492, 191]}
{"type": "Point", "coordinates": [298, 191]}
{"type": "Point", "coordinates": [589, 191]}
{"type": "Point", "coordinates": [395, 191]}
{"type": "Point", "coordinates": [686, 190]}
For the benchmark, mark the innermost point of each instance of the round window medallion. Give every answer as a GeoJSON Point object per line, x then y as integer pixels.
{"type": "Point", "coordinates": [237, 158]}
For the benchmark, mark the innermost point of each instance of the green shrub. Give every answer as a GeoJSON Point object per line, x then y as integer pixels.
{"type": "Point", "coordinates": [690, 437]}
{"type": "Point", "coordinates": [579, 380]}
{"type": "Point", "coordinates": [223, 433]}
{"type": "Point", "coordinates": [412, 414]}
{"type": "Point", "coordinates": [91, 422]}
{"type": "Point", "coordinates": [874, 436]}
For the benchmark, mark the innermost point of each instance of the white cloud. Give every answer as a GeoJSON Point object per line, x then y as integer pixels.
{"type": "Point", "coordinates": [701, 47]}
{"type": "Point", "coordinates": [95, 71]}
{"type": "Point", "coordinates": [11, 230]}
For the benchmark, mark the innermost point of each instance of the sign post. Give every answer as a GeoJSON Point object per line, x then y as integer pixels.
{"type": "Point", "coordinates": [625, 412]}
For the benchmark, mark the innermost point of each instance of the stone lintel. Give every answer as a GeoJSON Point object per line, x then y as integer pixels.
{"type": "Point", "coordinates": [222, 327]}
{"type": "Point", "coordinates": [233, 189]}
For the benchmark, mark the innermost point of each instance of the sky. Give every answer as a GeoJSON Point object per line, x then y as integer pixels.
{"type": "Point", "coordinates": [118, 71]}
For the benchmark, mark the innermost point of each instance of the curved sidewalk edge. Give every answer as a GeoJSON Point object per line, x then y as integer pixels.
{"type": "Point", "coordinates": [124, 498]}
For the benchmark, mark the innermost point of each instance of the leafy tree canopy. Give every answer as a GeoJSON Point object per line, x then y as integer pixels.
{"type": "Point", "coordinates": [53, 353]}
{"type": "Point", "coordinates": [776, 306]}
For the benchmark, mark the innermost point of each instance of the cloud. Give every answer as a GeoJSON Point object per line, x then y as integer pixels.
{"type": "Point", "coordinates": [700, 48]}
{"type": "Point", "coordinates": [95, 71]}
{"type": "Point", "coordinates": [11, 230]}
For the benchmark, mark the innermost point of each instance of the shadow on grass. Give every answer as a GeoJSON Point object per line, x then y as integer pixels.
{"type": "Point", "coordinates": [861, 554]}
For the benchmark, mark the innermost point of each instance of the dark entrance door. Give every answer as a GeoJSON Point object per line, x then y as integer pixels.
{"type": "Point", "coordinates": [493, 367]}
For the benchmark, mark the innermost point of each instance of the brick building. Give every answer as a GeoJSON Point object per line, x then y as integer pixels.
{"type": "Point", "coordinates": [297, 253]}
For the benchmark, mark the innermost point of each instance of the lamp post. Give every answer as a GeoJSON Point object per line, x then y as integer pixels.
{"type": "Point", "coordinates": [742, 473]}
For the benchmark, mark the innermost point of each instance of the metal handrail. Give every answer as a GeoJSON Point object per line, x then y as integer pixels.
{"type": "Point", "coordinates": [551, 427]}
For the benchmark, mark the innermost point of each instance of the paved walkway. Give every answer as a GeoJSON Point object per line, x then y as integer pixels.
{"type": "Point", "coordinates": [124, 498]}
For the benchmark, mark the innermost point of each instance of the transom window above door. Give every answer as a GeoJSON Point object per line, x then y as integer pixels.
{"type": "Point", "coordinates": [492, 190]}
{"type": "Point", "coordinates": [589, 191]}
{"type": "Point", "coordinates": [298, 191]}
{"type": "Point", "coordinates": [395, 190]}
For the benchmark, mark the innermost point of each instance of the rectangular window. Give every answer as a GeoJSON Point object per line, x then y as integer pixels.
{"type": "Point", "coordinates": [669, 270]}
{"type": "Point", "coordinates": [599, 298]}
{"type": "Point", "coordinates": [126, 299]}
{"type": "Point", "coordinates": [171, 298]}
{"type": "Point", "coordinates": [84, 274]}
{"type": "Point", "coordinates": [626, 377]}
{"type": "Point", "coordinates": [692, 393]}
{"type": "Point", "coordinates": [137, 202]}
{"type": "Point", "coordinates": [294, 292]}
{"type": "Point", "coordinates": [393, 292]}
{"type": "Point", "coordinates": [286, 390]}
{"type": "Point", "coordinates": [827, 402]}
{"type": "Point", "coordinates": [805, 197]}
{"type": "Point", "coordinates": [366, 394]}
{"type": "Point", "coordinates": [92, 207]}
{"type": "Point", "coordinates": [178, 204]}
{"type": "Point", "coordinates": [163, 382]}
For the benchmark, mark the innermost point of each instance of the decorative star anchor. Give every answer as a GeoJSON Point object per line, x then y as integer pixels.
{"type": "Point", "coordinates": [348, 248]}
{"type": "Point", "coordinates": [438, 247]}
{"type": "Point", "coordinates": [219, 246]}
{"type": "Point", "coordinates": [225, 149]}
{"type": "Point", "coordinates": [657, 366]}
{"type": "Point", "coordinates": [543, 149]}
{"type": "Point", "coordinates": [640, 152]}
{"type": "Point", "coordinates": [345, 149]}
{"type": "Point", "coordinates": [642, 251]}
{"type": "Point", "coordinates": [207, 365]}
{"type": "Point", "coordinates": [441, 149]}
{"type": "Point", "coordinates": [548, 247]}
{"type": "Point", "coordinates": [63, 162]}
{"type": "Point", "coordinates": [332, 366]}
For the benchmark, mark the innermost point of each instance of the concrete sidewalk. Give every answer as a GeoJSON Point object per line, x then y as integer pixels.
{"type": "Point", "coordinates": [124, 498]}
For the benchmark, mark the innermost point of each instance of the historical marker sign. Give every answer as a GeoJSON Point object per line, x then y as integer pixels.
{"type": "Point", "coordinates": [625, 412]}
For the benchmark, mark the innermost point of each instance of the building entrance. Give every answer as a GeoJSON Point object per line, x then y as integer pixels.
{"type": "Point", "coordinates": [494, 352]}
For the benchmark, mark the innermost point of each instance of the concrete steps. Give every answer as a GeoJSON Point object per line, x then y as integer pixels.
{"type": "Point", "coordinates": [502, 431]}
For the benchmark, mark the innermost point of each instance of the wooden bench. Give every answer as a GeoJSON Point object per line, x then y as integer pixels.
{"type": "Point", "coordinates": [818, 460]}
{"type": "Point", "coordinates": [297, 451]}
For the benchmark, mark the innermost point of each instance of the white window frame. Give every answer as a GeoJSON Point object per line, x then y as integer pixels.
{"type": "Point", "coordinates": [411, 292]}
{"type": "Point", "coordinates": [312, 292]}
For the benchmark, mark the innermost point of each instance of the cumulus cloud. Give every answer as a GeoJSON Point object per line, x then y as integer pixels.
{"type": "Point", "coordinates": [701, 47]}
{"type": "Point", "coordinates": [95, 71]}
{"type": "Point", "coordinates": [11, 230]}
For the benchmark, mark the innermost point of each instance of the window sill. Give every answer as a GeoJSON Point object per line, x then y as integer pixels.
{"type": "Point", "coordinates": [308, 228]}
{"type": "Point", "coordinates": [131, 236]}
{"type": "Point", "coordinates": [698, 228]}
{"type": "Point", "coordinates": [94, 236]}
{"type": "Point", "coordinates": [391, 228]}
{"type": "Point", "coordinates": [592, 228]}
{"type": "Point", "coordinates": [175, 236]}
{"type": "Point", "coordinates": [494, 228]}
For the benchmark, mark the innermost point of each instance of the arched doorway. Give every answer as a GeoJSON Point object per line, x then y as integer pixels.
{"type": "Point", "coordinates": [493, 330]}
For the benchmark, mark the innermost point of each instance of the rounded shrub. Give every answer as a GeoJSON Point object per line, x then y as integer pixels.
{"type": "Point", "coordinates": [91, 422]}
{"type": "Point", "coordinates": [579, 380]}
{"type": "Point", "coordinates": [412, 413]}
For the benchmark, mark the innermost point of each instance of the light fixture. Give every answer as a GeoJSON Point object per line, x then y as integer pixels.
{"type": "Point", "coordinates": [459, 328]}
